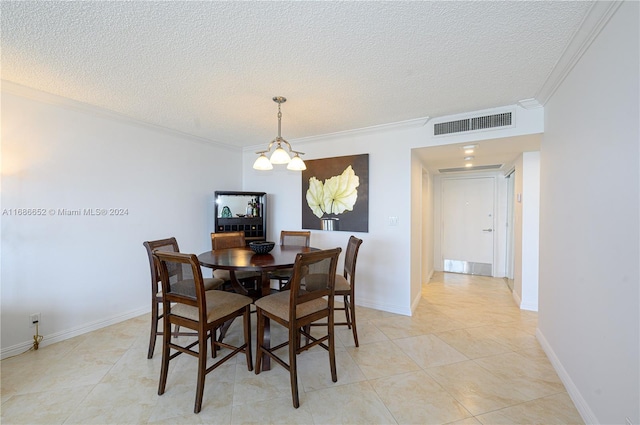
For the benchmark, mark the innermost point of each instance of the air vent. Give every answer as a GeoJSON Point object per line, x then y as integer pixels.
{"type": "Point", "coordinates": [477, 168]}
{"type": "Point", "coordinates": [470, 124]}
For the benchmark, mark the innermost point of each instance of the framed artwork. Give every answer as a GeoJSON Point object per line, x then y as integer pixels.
{"type": "Point", "coordinates": [335, 194]}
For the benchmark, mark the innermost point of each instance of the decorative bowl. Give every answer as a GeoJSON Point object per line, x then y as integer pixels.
{"type": "Point", "coordinates": [261, 247]}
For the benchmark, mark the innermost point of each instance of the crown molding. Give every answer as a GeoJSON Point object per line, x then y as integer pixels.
{"type": "Point", "coordinates": [592, 24]}
{"type": "Point", "coordinates": [30, 93]}
{"type": "Point", "coordinates": [416, 122]}
{"type": "Point", "coordinates": [530, 103]}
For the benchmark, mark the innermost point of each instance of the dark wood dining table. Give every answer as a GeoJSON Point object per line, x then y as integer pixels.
{"type": "Point", "coordinates": [244, 259]}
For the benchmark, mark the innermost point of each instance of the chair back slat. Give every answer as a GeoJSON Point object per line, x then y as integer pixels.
{"type": "Point", "coordinates": [295, 238]}
{"type": "Point", "coordinates": [313, 278]}
{"type": "Point", "coordinates": [167, 245]}
{"type": "Point", "coordinates": [189, 289]}
{"type": "Point", "coordinates": [353, 246]}
{"type": "Point", "coordinates": [227, 240]}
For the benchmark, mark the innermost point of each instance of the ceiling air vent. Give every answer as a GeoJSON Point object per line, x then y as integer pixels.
{"type": "Point", "coordinates": [470, 124]}
{"type": "Point", "coordinates": [477, 168]}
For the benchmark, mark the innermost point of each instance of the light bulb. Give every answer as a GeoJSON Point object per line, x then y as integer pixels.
{"type": "Point", "coordinates": [262, 163]}
{"type": "Point", "coordinates": [296, 164]}
{"type": "Point", "coordinates": [280, 156]}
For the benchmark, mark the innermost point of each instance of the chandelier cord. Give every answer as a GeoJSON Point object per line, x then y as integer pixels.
{"type": "Point", "coordinates": [279, 124]}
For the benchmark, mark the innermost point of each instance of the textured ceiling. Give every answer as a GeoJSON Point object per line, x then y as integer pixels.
{"type": "Point", "coordinates": [210, 69]}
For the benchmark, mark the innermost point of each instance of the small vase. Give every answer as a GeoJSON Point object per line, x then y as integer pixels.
{"type": "Point", "coordinates": [330, 223]}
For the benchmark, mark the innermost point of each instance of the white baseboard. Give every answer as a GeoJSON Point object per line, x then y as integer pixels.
{"type": "Point", "coordinates": [70, 333]}
{"type": "Point", "coordinates": [384, 307]}
{"type": "Point", "coordinates": [416, 301]}
{"type": "Point", "coordinates": [529, 307]}
{"type": "Point", "coordinates": [516, 298]}
{"type": "Point", "coordinates": [583, 408]}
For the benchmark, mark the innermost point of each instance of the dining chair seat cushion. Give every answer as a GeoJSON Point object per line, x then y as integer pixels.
{"type": "Point", "coordinates": [226, 276]}
{"type": "Point", "coordinates": [219, 304]}
{"type": "Point", "coordinates": [278, 305]}
{"type": "Point", "coordinates": [283, 273]}
{"type": "Point", "coordinates": [212, 283]}
{"type": "Point", "coordinates": [342, 284]}
{"type": "Point", "coordinates": [187, 286]}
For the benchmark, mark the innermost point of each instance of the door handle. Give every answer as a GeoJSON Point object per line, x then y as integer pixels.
{"type": "Point", "coordinates": [487, 230]}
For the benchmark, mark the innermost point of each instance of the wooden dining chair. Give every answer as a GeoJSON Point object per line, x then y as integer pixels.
{"type": "Point", "coordinates": [291, 238]}
{"type": "Point", "coordinates": [246, 279]}
{"type": "Point", "coordinates": [346, 286]}
{"type": "Point", "coordinates": [169, 245]}
{"type": "Point", "coordinates": [187, 304]}
{"type": "Point", "coordinates": [310, 298]}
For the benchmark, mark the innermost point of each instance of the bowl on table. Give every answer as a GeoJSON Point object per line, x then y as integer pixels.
{"type": "Point", "coordinates": [261, 247]}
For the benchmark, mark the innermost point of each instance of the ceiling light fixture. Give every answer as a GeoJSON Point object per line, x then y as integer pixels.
{"type": "Point", "coordinates": [468, 158]}
{"type": "Point", "coordinates": [469, 148]}
{"type": "Point", "coordinates": [279, 155]}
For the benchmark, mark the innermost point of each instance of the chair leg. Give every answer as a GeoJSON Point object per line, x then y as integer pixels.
{"type": "Point", "coordinates": [154, 329]}
{"type": "Point", "coordinates": [346, 311]}
{"type": "Point", "coordinates": [164, 367]}
{"type": "Point", "coordinates": [214, 348]}
{"type": "Point", "coordinates": [294, 342]}
{"type": "Point", "coordinates": [352, 319]}
{"type": "Point", "coordinates": [259, 340]}
{"type": "Point", "coordinates": [247, 337]}
{"type": "Point", "coordinates": [332, 348]}
{"type": "Point", "coordinates": [202, 366]}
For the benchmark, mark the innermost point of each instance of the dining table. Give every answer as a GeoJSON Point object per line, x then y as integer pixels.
{"type": "Point", "coordinates": [246, 260]}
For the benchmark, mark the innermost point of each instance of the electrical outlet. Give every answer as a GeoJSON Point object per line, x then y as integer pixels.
{"type": "Point", "coordinates": [33, 319]}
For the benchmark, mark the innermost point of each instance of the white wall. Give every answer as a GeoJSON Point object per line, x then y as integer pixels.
{"type": "Point", "coordinates": [531, 230]}
{"type": "Point", "coordinates": [427, 227]}
{"type": "Point", "coordinates": [417, 232]}
{"type": "Point", "coordinates": [589, 321]}
{"type": "Point", "coordinates": [84, 272]}
{"type": "Point", "coordinates": [518, 177]}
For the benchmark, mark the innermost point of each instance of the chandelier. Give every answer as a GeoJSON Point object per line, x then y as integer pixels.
{"type": "Point", "coordinates": [279, 155]}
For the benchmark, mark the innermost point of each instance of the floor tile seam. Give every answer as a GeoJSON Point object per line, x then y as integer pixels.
{"type": "Point", "coordinates": [524, 375]}
{"type": "Point", "coordinates": [451, 394]}
{"type": "Point", "coordinates": [333, 385]}
{"type": "Point", "coordinates": [425, 369]}
{"type": "Point", "coordinates": [373, 388]}
{"type": "Point", "coordinates": [520, 403]}
{"type": "Point", "coordinates": [501, 378]}
{"type": "Point", "coordinates": [443, 389]}
{"type": "Point", "coordinates": [79, 405]}
{"type": "Point", "coordinates": [408, 356]}
{"type": "Point", "coordinates": [466, 358]}
{"type": "Point", "coordinates": [356, 363]}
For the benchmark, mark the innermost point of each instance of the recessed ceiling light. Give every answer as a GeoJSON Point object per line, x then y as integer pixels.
{"type": "Point", "coordinates": [468, 158]}
{"type": "Point", "coordinates": [469, 148]}
{"type": "Point", "coordinates": [468, 164]}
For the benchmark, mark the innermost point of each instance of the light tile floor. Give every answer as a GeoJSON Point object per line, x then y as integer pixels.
{"type": "Point", "coordinates": [467, 356]}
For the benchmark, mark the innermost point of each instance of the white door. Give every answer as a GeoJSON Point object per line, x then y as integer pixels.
{"type": "Point", "coordinates": [468, 225]}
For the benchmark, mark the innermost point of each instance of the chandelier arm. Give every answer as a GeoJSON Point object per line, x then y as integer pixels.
{"type": "Point", "coordinates": [281, 140]}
